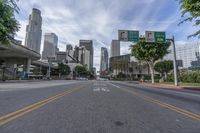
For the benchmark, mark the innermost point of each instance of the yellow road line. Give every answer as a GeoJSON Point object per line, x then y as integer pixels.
{"type": "Point", "coordinates": [30, 106]}
{"type": "Point", "coordinates": [163, 104]}
{"type": "Point", "coordinates": [14, 115]}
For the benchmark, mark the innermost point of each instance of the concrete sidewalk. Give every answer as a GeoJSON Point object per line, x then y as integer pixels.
{"type": "Point", "coordinates": [171, 86]}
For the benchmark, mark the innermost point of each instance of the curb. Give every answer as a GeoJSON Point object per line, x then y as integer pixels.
{"type": "Point", "coordinates": [21, 81]}
{"type": "Point", "coordinates": [171, 86]}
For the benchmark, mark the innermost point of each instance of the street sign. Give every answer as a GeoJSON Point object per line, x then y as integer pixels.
{"type": "Point", "coordinates": [128, 35]}
{"type": "Point", "coordinates": [149, 36]}
{"type": "Point", "coordinates": [154, 36]}
{"type": "Point", "coordinates": [133, 36]}
{"type": "Point", "coordinates": [160, 37]}
{"type": "Point", "coordinates": [123, 35]}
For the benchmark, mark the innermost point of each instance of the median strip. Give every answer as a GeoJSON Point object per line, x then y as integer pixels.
{"type": "Point", "coordinates": [14, 115]}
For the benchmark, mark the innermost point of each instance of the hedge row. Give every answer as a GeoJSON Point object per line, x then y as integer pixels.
{"type": "Point", "coordinates": [186, 77]}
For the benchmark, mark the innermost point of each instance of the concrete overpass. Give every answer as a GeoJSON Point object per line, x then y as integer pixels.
{"type": "Point", "coordinates": [15, 53]}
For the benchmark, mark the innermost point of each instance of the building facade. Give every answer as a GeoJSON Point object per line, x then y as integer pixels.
{"type": "Point", "coordinates": [115, 48]}
{"type": "Point", "coordinates": [50, 45]}
{"type": "Point", "coordinates": [88, 44]}
{"type": "Point", "coordinates": [189, 54]}
{"type": "Point", "coordinates": [34, 31]}
{"type": "Point", "coordinates": [69, 47]}
{"type": "Point", "coordinates": [84, 57]}
{"type": "Point", "coordinates": [124, 64]}
{"type": "Point", "coordinates": [61, 57]}
{"type": "Point", "coordinates": [104, 61]}
{"type": "Point", "coordinates": [70, 53]}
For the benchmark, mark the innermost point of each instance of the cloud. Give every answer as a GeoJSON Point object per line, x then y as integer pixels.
{"type": "Point", "coordinates": [100, 20]}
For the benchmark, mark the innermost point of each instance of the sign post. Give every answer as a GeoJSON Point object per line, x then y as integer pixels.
{"type": "Point", "coordinates": [174, 61]}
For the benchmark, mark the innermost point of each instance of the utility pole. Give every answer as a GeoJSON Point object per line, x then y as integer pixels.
{"type": "Point", "coordinates": [174, 61]}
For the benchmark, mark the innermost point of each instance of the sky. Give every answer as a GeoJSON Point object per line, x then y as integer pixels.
{"type": "Point", "coordinates": [100, 20]}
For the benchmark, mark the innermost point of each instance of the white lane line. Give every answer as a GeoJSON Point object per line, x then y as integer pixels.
{"type": "Point", "coordinates": [96, 89]}
{"type": "Point", "coordinates": [101, 89]}
{"type": "Point", "coordinates": [114, 85]}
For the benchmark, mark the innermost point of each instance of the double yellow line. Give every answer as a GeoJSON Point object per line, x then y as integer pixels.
{"type": "Point", "coordinates": [168, 106]}
{"type": "Point", "coordinates": [14, 115]}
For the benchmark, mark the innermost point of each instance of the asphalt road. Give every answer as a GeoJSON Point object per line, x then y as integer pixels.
{"type": "Point", "coordinates": [97, 107]}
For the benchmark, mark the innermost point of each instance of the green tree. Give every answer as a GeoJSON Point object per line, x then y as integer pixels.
{"type": "Point", "coordinates": [149, 53]}
{"type": "Point", "coordinates": [191, 12]}
{"type": "Point", "coordinates": [8, 24]}
{"type": "Point", "coordinates": [81, 71]}
{"type": "Point", "coordinates": [164, 67]}
{"type": "Point", "coordinates": [63, 69]}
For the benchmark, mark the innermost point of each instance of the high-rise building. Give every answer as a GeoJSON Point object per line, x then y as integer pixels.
{"type": "Point", "coordinates": [104, 61]}
{"type": "Point", "coordinates": [84, 57]}
{"type": "Point", "coordinates": [189, 53]}
{"type": "Point", "coordinates": [88, 44]}
{"type": "Point", "coordinates": [61, 57]}
{"type": "Point", "coordinates": [34, 31]}
{"type": "Point", "coordinates": [50, 45]}
{"type": "Point", "coordinates": [115, 48]}
{"type": "Point", "coordinates": [69, 47]}
{"type": "Point", "coordinates": [70, 53]}
{"type": "Point", "coordinates": [76, 54]}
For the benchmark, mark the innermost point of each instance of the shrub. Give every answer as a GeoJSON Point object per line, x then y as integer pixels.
{"type": "Point", "coordinates": [186, 77]}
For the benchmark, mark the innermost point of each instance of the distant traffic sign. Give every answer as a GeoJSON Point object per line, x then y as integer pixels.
{"type": "Point", "coordinates": [133, 36]}
{"type": "Point", "coordinates": [149, 35]}
{"type": "Point", "coordinates": [154, 36]}
{"type": "Point", "coordinates": [160, 37]}
{"type": "Point", "coordinates": [128, 36]}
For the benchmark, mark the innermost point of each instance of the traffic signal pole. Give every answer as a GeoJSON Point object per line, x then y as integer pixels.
{"type": "Point", "coordinates": [174, 61]}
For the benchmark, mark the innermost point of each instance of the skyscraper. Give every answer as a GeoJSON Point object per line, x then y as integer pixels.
{"type": "Point", "coordinates": [88, 44]}
{"type": "Point", "coordinates": [115, 48]}
{"type": "Point", "coordinates": [84, 57]}
{"type": "Point", "coordinates": [76, 54]}
{"type": "Point", "coordinates": [70, 53]}
{"type": "Point", "coordinates": [69, 47]}
{"type": "Point", "coordinates": [34, 31]}
{"type": "Point", "coordinates": [104, 61]}
{"type": "Point", "coordinates": [189, 53]}
{"type": "Point", "coordinates": [50, 45]}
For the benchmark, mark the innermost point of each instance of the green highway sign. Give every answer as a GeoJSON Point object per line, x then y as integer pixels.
{"type": "Point", "coordinates": [133, 36]}
{"type": "Point", "coordinates": [154, 36]}
{"type": "Point", "coordinates": [160, 37]}
{"type": "Point", "coordinates": [128, 35]}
